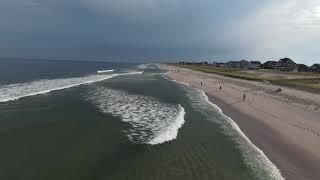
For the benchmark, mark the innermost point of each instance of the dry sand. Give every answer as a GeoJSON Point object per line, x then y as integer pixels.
{"type": "Point", "coordinates": [285, 125]}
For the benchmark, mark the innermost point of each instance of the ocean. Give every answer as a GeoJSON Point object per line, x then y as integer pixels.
{"type": "Point", "coordinates": [101, 120]}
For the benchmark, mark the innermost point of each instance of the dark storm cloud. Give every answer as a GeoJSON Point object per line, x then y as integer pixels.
{"type": "Point", "coordinates": [96, 28]}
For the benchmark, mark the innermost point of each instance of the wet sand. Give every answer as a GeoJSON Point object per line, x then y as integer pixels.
{"type": "Point", "coordinates": [283, 125]}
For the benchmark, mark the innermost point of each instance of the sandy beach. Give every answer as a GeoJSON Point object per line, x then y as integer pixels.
{"type": "Point", "coordinates": [284, 125]}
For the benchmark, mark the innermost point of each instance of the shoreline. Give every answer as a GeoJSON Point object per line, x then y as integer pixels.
{"type": "Point", "coordinates": [265, 138]}
{"type": "Point", "coordinates": [292, 158]}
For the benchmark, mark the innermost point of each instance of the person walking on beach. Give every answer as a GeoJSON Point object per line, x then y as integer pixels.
{"type": "Point", "coordinates": [220, 88]}
{"type": "Point", "coordinates": [244, 97]}
{"type": "Point", "coordinates": [201, 83]}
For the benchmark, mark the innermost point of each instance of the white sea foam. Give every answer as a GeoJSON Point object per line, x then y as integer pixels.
{"type": "Point", "coordinates": [105, 71]}
{"type": "Point", "coordinates": [142, 66]}
{"type": "Point", "coordinates": [171, 132]}
{"type": "Point", "coordinates": [16, 91]}
{"type": "Point", "coordinates": [186, 84]}
{"type": "Point", "coordinates": [152, 122]}
{"type": "Point", "coordinates": [254, 157]}
{"type": "Point", "coordinates": [147, 66]}
{"type": "Point", "coordinates": [173, 80]}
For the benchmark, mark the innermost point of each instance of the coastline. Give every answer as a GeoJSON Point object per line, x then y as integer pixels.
{"type": "Point", "coordinates": [292, 158]}
{"type": "Point", "coordinates": [265, 138]}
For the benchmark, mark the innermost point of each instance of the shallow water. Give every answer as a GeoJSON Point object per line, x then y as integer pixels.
{"type": "Point", "coordinates": [133, 126]}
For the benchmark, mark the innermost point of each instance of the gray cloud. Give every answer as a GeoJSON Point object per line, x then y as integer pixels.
{"type": "Point", "coordinates": [101, 28]}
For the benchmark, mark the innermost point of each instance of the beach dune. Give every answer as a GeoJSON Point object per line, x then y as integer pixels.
{"type": "Point", "coordinates": [285, 125]}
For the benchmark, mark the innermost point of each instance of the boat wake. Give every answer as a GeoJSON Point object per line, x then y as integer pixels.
{"type": "Point", "coordinates": [16, 91]}
{"type": "Point", "coordinates": [151, 121]}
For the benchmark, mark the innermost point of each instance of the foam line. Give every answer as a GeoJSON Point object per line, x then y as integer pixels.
{"type": "Point", "coordinates": [270, 167]}
{"type": "Point", "coordinates": [142, 66]}
{"type": "Point", "coordinates": [255, 158]}
{"type": "Point", "coordinates": [171, 132]}
{"type": "Point", "coordinates": [105, 71]}
{"type": "Point", "coordinates": [16, 91]}
{"type": "Point", "coordinates": [152, 122]}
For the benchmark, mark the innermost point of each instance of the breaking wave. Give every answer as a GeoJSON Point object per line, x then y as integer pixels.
{"type": "Point", "coordinates": [142, 66]}
{"type": "Point", "coordinates": [16, 91]}
{"type": "Point", "coordinates": [151, 121]}
{"type": "Point", "coordinates": [147, 66]}
{"type": "Point", "coordinates": [105, 71]}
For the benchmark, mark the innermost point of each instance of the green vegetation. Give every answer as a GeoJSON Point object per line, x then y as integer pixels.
{"type": "Point", "coordinates": [230, 72]}
{"type": "Point", "coordinates": [305, 81]}
{"type": "Point", "coordinates": [312, 85]}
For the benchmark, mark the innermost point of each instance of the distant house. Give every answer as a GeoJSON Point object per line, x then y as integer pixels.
{"type": "Point", "coordinates": [303, 68]}
{"type": "Point", "coordinates": [234, 64]}
{"type": "Point", "coordinates": [315, 68]}
{"type": "Point", "coordinates": [222, 65]}
{"type": "Point", "coordinates": [239, 64]}
{"type": "Point", "coordinates": [286, 64]}
{"type": "Point", "coordinates": [255, 62]}
{"type": "Point", "coordinates": [254, 65]}
{"type": "Point", "coordinates": [214, 64]}
{"type": "Point", "coordinates": [270, 65]}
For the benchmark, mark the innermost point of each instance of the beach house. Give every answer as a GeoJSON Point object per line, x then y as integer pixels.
{"type": "Point", "coordinates": [254, 65]}
{"type": "Point", "coordinates": [270, 65]}
{"type": "Point", "coordinates": [286, 64]}
{"type": "Point", "coordinates": [315, 68]}
{"type": "Point", "coordinates": [303, 68]}
{"type": "Point", "coordinates": [239, 64]}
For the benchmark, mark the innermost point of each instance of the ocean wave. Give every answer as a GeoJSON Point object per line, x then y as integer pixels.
{"type": "Point", "coordinates": [183, 83]}
{"type": "Point", "coordinates": [142, 66]}
{"type": "Point", "coordinates": [147, 66]}
{"type": "Point", "coordinates": [164, 75]}
{"type": "Point", "coordinates": [254, 157]}
{"type": "Point", "coordinates": [152, 122]}
{"type": "Point", "coordinates": [16, 91]}
{"type": "Point", "coordinates": [105, 71]}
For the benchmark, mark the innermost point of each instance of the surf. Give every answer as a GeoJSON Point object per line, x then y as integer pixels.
{"type": "Point", "coordinates": [105, 71]}
{"type": "Point", "coordinates": [254, 157]}
{"type": "Point", "coordinates": [151, 121]}
{"type": "Point", "coordinates": [20, 90]}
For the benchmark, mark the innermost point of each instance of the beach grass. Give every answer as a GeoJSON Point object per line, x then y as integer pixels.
{"type": "Point", "coordinates": [304, 81]}
{"type": "Point", "coordinates": [304, 84]}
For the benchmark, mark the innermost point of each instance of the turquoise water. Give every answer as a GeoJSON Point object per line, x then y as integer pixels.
{"type": "Point", "coordinates": [132, 123]}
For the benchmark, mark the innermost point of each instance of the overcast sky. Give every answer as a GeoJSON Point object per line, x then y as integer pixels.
{"type": "Point", "coordinates": [225, 29]}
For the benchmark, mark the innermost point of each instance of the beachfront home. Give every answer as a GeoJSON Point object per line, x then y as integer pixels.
{"type": "Point", "coordinates": [254, 65]}
{"type": "Point", "coordinates": [225, 65]}
{"type": "Point", "coordinates": [286, 64]}
{"type": "Point", "coordinates": [238, 64]}
{"type": "Point", "coordinates": [303, 68]}
{"type": "Point", "coordinates": [258, 63]}
{"type": "Point", "coordinates": [193, 63]}
{"type": "Point", "coordinates": [270, 65]}
{"type": "Point", "coordinates": [315, 68]}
